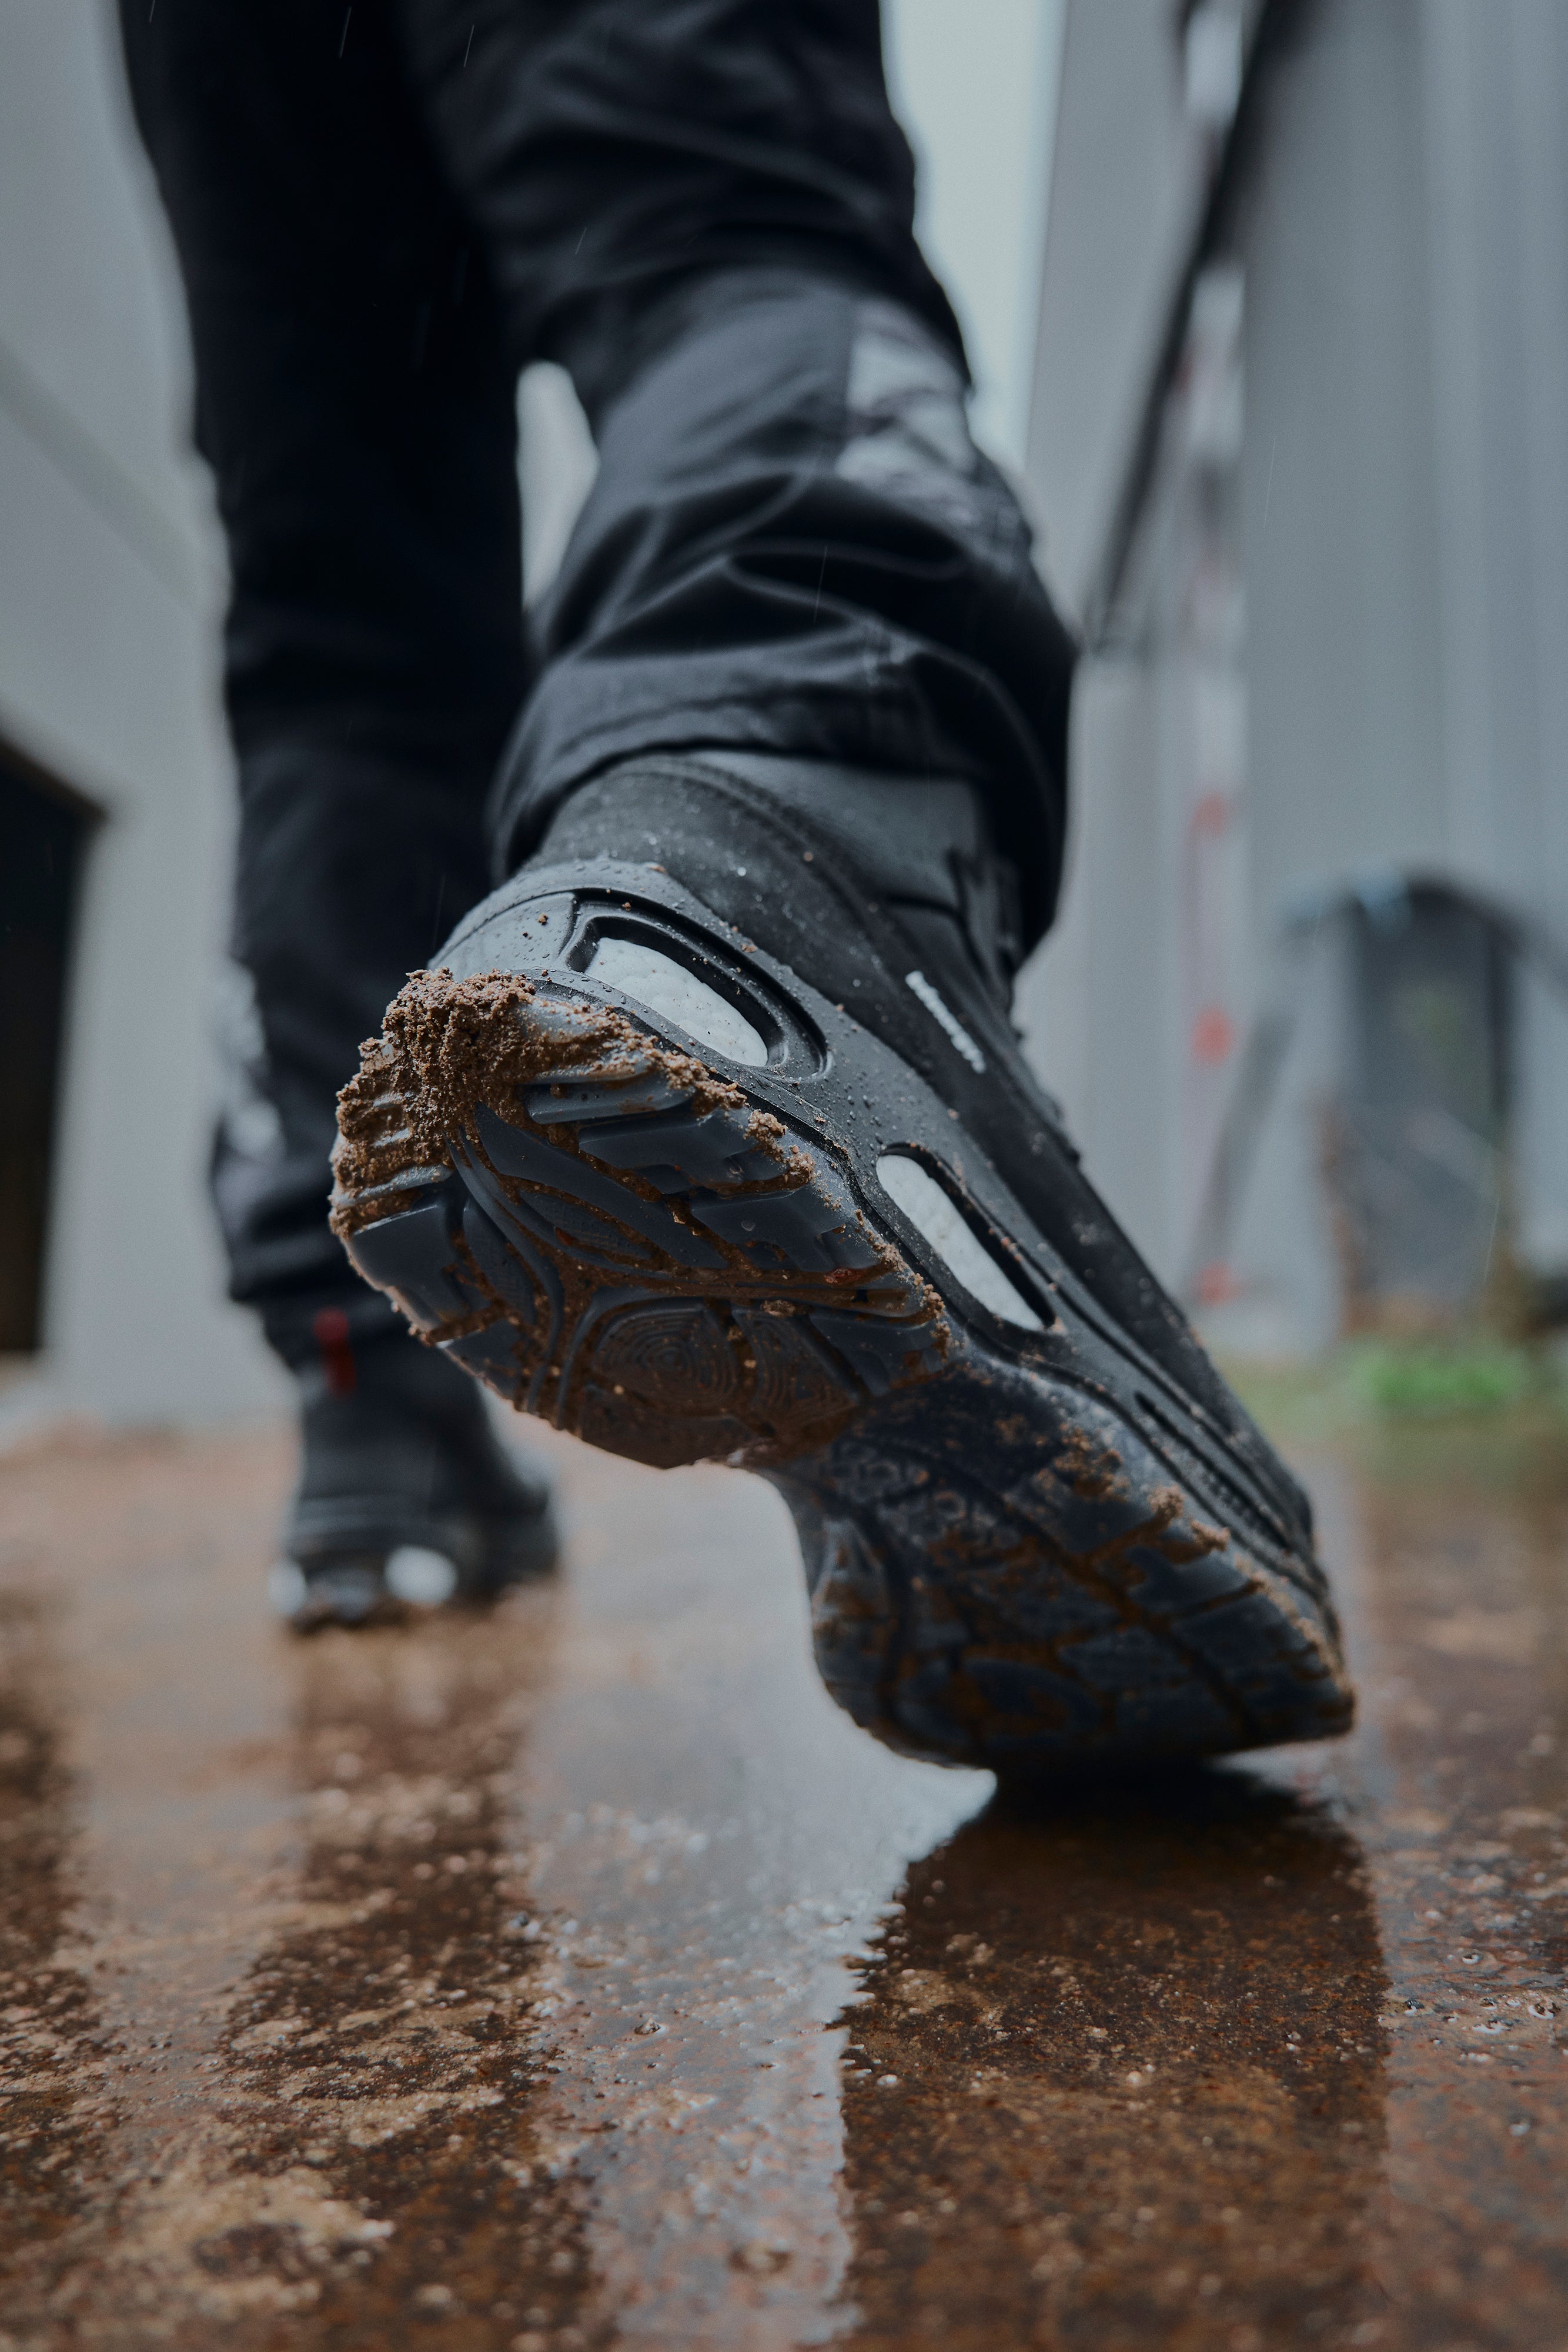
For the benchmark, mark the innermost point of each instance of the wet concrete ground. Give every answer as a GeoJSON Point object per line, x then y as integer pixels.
{"type": "Point", "coordinates": [580, 1978]}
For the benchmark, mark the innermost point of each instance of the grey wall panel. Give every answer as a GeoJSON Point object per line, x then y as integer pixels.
{"type": "Point", "coordinates": [1496, 90]}
{"type": "Point", "coordinates": [1091, 1001]}
{"type": "Point", "coordinates": [1126, 180]}
{"type": "Point", "coordinates": [1341, 547]}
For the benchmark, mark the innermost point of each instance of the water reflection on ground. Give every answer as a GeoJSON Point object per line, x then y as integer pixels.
{"type": "Point", "coordinates": [579, 1977]}
{"type": "Point", "coordinates": [1120, 2080]}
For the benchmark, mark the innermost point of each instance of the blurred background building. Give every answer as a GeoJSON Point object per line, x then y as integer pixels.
{"type": "Point", "coordinates": [1299, 440]}
{"type": "Point", "coordinates": [1269, 311]}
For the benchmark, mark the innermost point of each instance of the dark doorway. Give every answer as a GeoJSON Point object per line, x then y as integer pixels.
{"type": "Point", "coordinates": [42, 832]}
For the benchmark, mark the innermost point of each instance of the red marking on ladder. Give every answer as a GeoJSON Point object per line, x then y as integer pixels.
{"type": "Point", "coordinates": [1213, 1035]}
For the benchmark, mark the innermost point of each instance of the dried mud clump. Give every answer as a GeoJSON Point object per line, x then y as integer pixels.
{"type": "Point", "coordinates": [449, 1045]}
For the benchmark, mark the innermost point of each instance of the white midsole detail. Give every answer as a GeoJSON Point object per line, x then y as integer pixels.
{"type": "Point", "coordinates": [666, 987]}
{"type": "Point", "coordinates": [285, 1586]}
{"type": "Point", "coordinates": [949, 1020]}
{"type": "Point", "coordinates": [932, 1213]}
{"type": "Point", "coordinates": [419, 1575]}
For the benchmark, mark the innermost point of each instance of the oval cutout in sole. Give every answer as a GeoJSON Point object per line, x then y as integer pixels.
{"type": "Point", "coordinates": [667, 987]}
{"type": "Point", "coordinates": [934, 1216]}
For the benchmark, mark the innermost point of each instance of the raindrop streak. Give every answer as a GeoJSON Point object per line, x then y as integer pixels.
{"type": "Point", "coordinates": [343, 42]}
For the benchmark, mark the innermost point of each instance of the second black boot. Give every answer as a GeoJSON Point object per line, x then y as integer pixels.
{"type": "Point", "coordinates": [406, 1499]}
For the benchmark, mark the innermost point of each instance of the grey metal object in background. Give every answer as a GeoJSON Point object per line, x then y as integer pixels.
{"type": "Point", "coordinates": [1406, 999]}
{"type": "Point", "coordinates": [1416, 1151]}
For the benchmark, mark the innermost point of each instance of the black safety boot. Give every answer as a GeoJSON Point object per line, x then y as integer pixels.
{"type": "Point", "coordinates": [405, 1499]}
{"type": "Point", "coordinates": [709, 1137]}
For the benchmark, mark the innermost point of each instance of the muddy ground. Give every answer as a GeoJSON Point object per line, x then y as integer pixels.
{"type": "Point", "coordinates": [580, 1977]}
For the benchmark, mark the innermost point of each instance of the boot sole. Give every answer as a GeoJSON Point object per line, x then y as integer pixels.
{"type": "Point", "coordinates": [1007, 1566]}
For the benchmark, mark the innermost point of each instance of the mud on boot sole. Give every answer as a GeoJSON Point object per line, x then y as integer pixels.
{"type": "Point", "coordinates": [1044, 1602]}
{"type": "Point", "coordinates": [615, 1236]}
{"type": "Point", "coordinates": [620, 1242]}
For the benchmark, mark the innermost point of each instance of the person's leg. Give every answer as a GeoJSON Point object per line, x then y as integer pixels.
{"type": "Point", "coordinates": [354, 404]}
{"type": "Point", "coordinates": [703, 208]}
{"type": "Point", "coordinates": [356, 411]}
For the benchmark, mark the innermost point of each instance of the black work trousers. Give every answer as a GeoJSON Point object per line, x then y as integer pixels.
{"type": "Point", "coordinates": [701, 209]}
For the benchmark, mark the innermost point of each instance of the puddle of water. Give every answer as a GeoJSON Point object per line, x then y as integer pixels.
{"type": "Point", "coordinates": [1120, 2079]}
{"type": "Point", "coordinates": [480, 1977]}
{"type": "Point", "coordinates": [56, 2114]}
{"type": "Point", "coordinates": [724, 1840]}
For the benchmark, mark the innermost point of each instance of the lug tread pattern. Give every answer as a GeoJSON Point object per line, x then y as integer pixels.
{"type": "Point", "coordinates": [953, 1625]}
{"type": "Point", "coordinates": [1007, 1568]}
{"type": "Point", "coordinates": [592, 1270]}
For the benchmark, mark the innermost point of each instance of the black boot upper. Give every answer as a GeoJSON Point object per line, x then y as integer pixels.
{"type": "Point", "coordinates": [798, 886]}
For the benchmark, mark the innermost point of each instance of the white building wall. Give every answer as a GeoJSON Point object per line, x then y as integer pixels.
{"type": "Point", "coordinates": [110, 589]}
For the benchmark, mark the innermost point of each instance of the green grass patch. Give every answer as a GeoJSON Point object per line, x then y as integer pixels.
{"type": "Point", "coordinates": [1427, 1379]}
{"type": "Point", "coordinates": [1368, 1387]}
{"type": "Point", "coordinates": [1473, 1409]}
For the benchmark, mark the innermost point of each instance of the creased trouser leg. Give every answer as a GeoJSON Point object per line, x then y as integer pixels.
{"type": "Point", "coordinates": [354, 404]}
{"type": "Point", "coordinates": [703, 208]}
